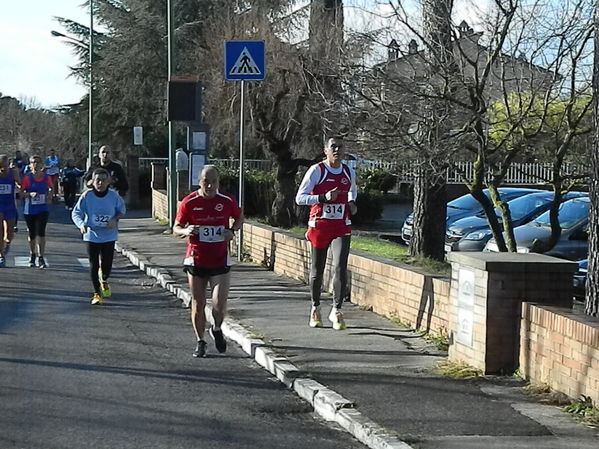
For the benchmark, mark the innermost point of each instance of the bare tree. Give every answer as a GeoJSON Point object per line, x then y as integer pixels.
{"type": "Point", "coordinates": [285, 116]}
{"type": "Point", "coordinates": [428, 235]}
{"type": "Point", "coordinates": [529, 57]}
{"type": "Point", "coordinates": [592, 286]}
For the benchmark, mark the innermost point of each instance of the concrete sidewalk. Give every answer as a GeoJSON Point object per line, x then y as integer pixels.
{"type": "Point", "coordinates": [374, 379]}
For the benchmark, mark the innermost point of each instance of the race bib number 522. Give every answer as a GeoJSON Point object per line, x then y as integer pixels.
{"type": "Point", "coordinates": [212, 234]}
{"type": "Point", "coordinates": [333, 211]}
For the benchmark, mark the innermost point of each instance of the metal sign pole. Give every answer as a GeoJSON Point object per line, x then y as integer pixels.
{"type": "Point", "coordinates": [172, 177]}
{"type": "Point", "coordinates": [244, 60]}
{"type": "Point", "coordinates": [241, 169]}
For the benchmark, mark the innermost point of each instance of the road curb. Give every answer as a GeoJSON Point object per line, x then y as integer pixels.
{"type": "Point", "coordinates": [327, 403]}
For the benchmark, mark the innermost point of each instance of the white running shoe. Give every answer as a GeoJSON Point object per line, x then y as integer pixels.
{"type": "Point", "coordinates": [336, 317]}
{"type": "Point", "coordinates": [315, 320]}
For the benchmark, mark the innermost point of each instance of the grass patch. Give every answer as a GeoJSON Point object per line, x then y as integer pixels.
{"type": "Point", "coordinates": [399, 322]}
{"type": "Point", "coordinates": [389, 250]}
{"type": "Point", "coordinates": [162, 221]}
{"type": "Point", "coordinates": [297, 230]}
{"type": "Point", "coordinates": [381, 248]}
{"type": "Point", "coordinates": [440, 341]}
{"type": "Point", "coordinates": [585, 410]}
{"type": "Point", "coordinates": [457, 370]}
{"type": "Point", "coordinates": [545, 394]}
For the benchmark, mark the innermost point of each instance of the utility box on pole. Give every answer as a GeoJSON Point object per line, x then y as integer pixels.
{"type": "Point", "coordinates": [198, 144]}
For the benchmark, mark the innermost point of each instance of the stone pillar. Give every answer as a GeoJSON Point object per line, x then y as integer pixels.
{"type": "Point", "coordinates": [487, 291]}
{"type": "Point", "coordinates": [158, 176]}
{"type": "Point", "coordinates": [182, 184]}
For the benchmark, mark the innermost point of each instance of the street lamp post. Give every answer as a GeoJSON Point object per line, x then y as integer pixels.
{"type": "Point", "coordinates": [172, 179]}
{"type": "Point", "coordinates": [91, 85]}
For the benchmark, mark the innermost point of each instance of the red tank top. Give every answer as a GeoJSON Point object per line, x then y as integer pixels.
{"type": "Point", "coordinates": [334, 215]}
{"type": "Point", "coordinates": [208, 249]}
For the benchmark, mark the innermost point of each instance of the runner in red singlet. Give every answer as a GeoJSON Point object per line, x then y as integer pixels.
{"type": "Point", "coordinates": [329, 188]}
{"type": "Point", "coordinates": [209, 220]}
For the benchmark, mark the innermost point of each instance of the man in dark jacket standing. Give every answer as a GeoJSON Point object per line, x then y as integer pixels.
{"type": "Point", "coordinates": [117, 174]}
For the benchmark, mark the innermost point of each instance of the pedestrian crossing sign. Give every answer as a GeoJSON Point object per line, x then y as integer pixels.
{"type": "Point", "coordinates": [244, 60]}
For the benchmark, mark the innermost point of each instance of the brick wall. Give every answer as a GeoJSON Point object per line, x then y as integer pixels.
{"type": "Point", "coordinates": [159, 204]}
{"type": "Point", "coordinates": [560, 348]}
{"type": "Point", "coordinates": [556, 346]}
{"type": "Point", "coordinates": [416, 298]}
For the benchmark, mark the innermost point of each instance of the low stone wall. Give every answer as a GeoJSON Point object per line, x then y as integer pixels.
{"type": "Point", "coordinates": [560, 348]}
{"type": "Point", "coordinates": [159, 204]}
{"type": "Point", "coordinates": [557, 347]}
{"type": "Point", "coordinates": [417, 299]}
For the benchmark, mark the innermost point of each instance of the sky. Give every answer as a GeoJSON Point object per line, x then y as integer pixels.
{"type": "Point", "coordinates": [33, 63]}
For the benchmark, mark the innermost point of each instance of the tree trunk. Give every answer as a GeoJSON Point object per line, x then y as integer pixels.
{"type": "Point", "coordinates": [325, 49]}
{"type": "Point", "coordinates": [592, 287]}
{"type": "Point", "coordinates": [489, 210]}
{"type": "Point", "coordinates": [430, 212]}
{"type": "Point", "coordinates": [283, 206]}
{"type": "Point", "coordinates": [430, 201]}
{"type": "Point", "coordinates": [326, 30]}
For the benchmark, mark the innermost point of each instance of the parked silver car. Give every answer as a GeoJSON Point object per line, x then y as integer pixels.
{"type": "Point", "coordinates": [473, 233]}
{"type": "Point", "coordinates": [573, 243]}
{"type": "Point", "coordinates": [465, 206]}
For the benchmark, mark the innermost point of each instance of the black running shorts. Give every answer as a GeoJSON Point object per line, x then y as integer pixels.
{"type": "Point", "coordinates": [206, 272]}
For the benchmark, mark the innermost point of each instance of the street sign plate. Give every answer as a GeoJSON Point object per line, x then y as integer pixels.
{"type": "Point", "coordinates": [244, 60]}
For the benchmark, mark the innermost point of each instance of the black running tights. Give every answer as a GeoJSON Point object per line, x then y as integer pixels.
{"type": "Point", "coordinates": [36, 224]}
{"type": "Point", "coordinates": [100, 254]}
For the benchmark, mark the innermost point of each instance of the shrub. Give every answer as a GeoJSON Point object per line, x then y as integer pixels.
{"type": "Point", "coordinates": [370, 207]}
{"type": "Point", "coordinates": [259, 190]}
{"type": "Point", "coordinates": [260, 194]}
{"type": "Point", "coordinates": [375, 179]}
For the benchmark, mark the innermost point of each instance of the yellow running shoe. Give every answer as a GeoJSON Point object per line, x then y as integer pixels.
{"type": "Point", "coordinates": [315, 320]}
{"type": "Point", "coordinates": [96, 299]}
{"type": "Point", "coordinates": [105, 289]}
{"type": "Point", "coordinates": [336, 317]}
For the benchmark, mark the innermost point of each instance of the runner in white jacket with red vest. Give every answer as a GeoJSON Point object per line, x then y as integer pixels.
{"type": "Point", "coordinates": [329, 188]}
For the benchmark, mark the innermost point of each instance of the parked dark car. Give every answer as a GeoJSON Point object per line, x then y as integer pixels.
{"type": "Point", "coordinates": [465, 206]}
{"type": "Point", "coordinates": [580, 279]}
{"type": "Point", "coordinates": [473, 233]}
{"type": "Point", "coordinates": [573, 243]}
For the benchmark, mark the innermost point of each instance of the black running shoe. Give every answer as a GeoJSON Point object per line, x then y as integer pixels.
{"type": "Point", "coordinates": [219, 340]}
{"type": "Point", "coordinates": [32, 261]}
{"type": "Point", "coordinates": [200, 350]}
{"type": "Point", "coordinates": [41, 263]}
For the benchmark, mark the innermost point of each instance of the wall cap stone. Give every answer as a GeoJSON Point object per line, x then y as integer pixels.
{"type": "Point", "coordinates": [507, 262]}
{"type": "Point", "coordinates": [357, 253]}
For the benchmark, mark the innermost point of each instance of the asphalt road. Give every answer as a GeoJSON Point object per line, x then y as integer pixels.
{"type": "Point", "coordinates": [121, 375]}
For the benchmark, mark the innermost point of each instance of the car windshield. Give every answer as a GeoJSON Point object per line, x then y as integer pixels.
{"type": "Point", "coordinates": [466, 202]}
{"type": "Point", "coordinates": [521, 207]}
{"type": "Point", "coordinates": [570, 213]}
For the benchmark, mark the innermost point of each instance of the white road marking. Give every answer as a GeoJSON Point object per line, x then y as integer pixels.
{"type": "Point", "coordinates": [21, 261]}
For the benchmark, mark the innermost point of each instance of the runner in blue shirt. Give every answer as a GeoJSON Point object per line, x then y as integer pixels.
{"type": "Point", "coordinates": [9, 179]}
{"type": "Point", "coordinates": [36, 189]}
{"type": "Point", "coordinates": [97, 214]}
{"type": "Point", "coordinates": [52, 166]}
